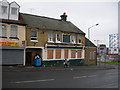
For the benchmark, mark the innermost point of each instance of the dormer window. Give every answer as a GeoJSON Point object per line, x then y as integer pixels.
{"type": "Point", "coordinates": [14, 11]}
{"type": "Point", "coordinates": [4, 9]}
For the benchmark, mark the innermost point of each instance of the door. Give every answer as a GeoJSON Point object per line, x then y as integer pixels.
{"type": "Point", "coordinates": [28, 58]}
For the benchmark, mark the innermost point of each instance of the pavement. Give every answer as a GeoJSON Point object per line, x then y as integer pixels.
{"type": "Point", "coordinates": [36, 69]}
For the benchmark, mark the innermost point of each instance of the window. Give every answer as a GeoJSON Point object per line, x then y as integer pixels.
{"type": "Point", "coordinates": [50, 37]}
{"type": "Point", "coordinates": [79, 53]}
{"type": "Point", "coordinates": [79, 39]}
{"type": "Point", "coordinates": [14, 31]}
{"type": "Point", "coordinates": [4, 9]}
{"type": "Point", "coordinates": [58, 37]}
{"type": "Point", "coordinates": [34, 35]}
{"type": "Point", "coordinates": [73, 53]}
{"type": "Point", "coordinates": [66, 38]}
{"type": "Point", "coordinates": [73, 39]}
{"type": "Point", "coordinates": [3, 31]}
{"type": "Point", "coordinates": [115, 49]}
{"type": "Point", "coordinates": [58, 54]}
{"type": "Point", "coordinates": [49, 54]}
{"type": "Point", "coordinates": [14, 11]}
{"type": "Point", "coordinates": [92, 55]}
{"type": "Point", "coordinates": [65, 54]}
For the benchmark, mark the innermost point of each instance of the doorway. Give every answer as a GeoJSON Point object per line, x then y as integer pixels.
{"type": "Point", "coordinates": [28, 58]}
{"type": "Point", "coordinates": [30, 54]}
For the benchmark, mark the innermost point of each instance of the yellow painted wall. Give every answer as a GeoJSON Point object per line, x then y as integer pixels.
{"type": "Point", "coordinates": [21, 34]}
{"type": "Point", "coordinates": [43, 38]}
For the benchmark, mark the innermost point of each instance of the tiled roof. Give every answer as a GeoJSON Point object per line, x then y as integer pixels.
{"type": "Point", "coordinates": [88, 43]}
{"type": "Point", "coordinates": [46, 23]}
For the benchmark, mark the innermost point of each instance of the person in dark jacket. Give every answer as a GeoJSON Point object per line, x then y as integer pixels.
{"type": "Point", "coordinates": [66, 63]}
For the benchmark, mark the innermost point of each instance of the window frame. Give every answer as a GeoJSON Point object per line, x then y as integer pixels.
{"type": "Point", "coordinates": [58, 41]}
{"type": "Point", "coordinates": [73, 39]}
{"type": "Point", "coordinates": [79, 38]}
{"type": "Point", "coordinates": [34, 38]}
{"type": "Point", "coordinates": [50, 37]}
{"type": "Point", "coordinates": [5, 31]}
{"type": "Point", "coordinates": [15, 12]}
{"type": "Point", "coordinates": [5, 9]}
{"type": "Point", "coordinates": [69, 40]}
{"type": "Point", "coordinates": [11, 32]}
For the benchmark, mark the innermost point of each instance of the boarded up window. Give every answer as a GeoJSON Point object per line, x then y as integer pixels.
{"type": "Point", "coordinates": [50, 54]}
{"type": "Point", "coordinates": [79, 53]}
{"type": "Point", "coordinates": [66, 54]}
{"type": "Point", "coordinates": [92, 55]}
{"type": "Point", "coordinates": [73, 53]}
{"type": "Point", "coordinates": [58, 54]}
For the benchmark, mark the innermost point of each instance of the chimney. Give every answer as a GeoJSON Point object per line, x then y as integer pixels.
{"type": "Point", "coordinates": [63, 17]}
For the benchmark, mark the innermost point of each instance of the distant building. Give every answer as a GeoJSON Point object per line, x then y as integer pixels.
{"type": "Point", "coordinates": [102, 50]}
{"type": "Point", "coordinates": [113, 43]}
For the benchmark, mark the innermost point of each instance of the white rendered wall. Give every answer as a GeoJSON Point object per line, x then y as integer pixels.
{"type": "Point", "coordinates": [5, 15]}
{"type": "Point", "coordinates": [11, 16]}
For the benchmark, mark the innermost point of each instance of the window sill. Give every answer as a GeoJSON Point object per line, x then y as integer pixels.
{"type": "Point", "coordinates": [14, 38]}
{"type": "Point", "coordinates": [74, 43]}
{"type": "Point", "coordinates": [50, 41]}
{"type": "Point", "coordinates": [79, 43]}
{"type": "Point", "coordinates": [58, 42]}
{"type": "Point", "coordinates": [34, 40]}
{"type": "Point", "coordinates": [2, 37]}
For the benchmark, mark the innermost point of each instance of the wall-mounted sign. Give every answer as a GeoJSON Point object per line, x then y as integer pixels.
{"type": "Point", "coordinates": [13, 44]}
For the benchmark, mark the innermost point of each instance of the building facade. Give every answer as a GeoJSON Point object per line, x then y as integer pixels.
{"type": "Point", "coordinates": [90, 53]}
{"type": "Point", "coordinates": [54, 39]}
{"type": "Point", "coordinates": [113, 43]}
{"type": "Point", "coordinates": [12, 34]}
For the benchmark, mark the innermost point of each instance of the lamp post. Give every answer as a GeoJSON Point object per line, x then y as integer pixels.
{"type": "Point", "coordinates": [89, 42]}
{"type": "Point", "coordinates": [89, 30]}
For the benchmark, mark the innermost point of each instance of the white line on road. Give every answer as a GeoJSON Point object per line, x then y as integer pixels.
{"type": "Point", "coordinates": [79, 77]}
{"type": "Point", "coordinates": [84, 76]}
{"type": "Point", "coordinates": [111, 73]}
{"type": "Point", "coordinates": [34, 81]}
{"type": "Point", "coordinates": [92, 76]}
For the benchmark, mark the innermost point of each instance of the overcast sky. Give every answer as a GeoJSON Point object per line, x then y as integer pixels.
{"type": "Point", "coordinates": [81, 13]}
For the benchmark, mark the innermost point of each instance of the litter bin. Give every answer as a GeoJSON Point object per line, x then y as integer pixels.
{"type": "Point", "coordinates": [37, 62]}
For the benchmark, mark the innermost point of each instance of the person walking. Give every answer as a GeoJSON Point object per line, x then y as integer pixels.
{"type": "Point", "coordinates": [66, 63]}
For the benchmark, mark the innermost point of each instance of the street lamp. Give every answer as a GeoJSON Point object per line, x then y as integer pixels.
{"type": "Point", "coordinates": [89, 39]}
{"type": "Point", "coordinates": [89, 30]}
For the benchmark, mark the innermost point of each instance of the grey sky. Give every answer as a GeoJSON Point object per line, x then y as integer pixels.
{"type": "Point", "coordinates": [82, 14]}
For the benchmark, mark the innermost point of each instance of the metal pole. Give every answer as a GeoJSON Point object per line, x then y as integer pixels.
{"type": "Point", "coordinates": [88, 46]}
{"type": "Point", "coordinates": [89, 42]}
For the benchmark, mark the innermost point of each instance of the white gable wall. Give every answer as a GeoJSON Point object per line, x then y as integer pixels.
{"type": "Point", "coordinates": [4, 14]}
{"type": "Point", "coordinates": [16, 15]}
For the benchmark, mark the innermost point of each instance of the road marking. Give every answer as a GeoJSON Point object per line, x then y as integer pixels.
{"type": "Point", "coordinates": [34, 81]}
{"type": "Point", "coordinates": [92, 76]}
{"type": "Point", "coordinates": [79, 77]}
{"type": "Point", "coordinates": [111, 73]}
{"type": "Point", "coordinates": [84, 76]}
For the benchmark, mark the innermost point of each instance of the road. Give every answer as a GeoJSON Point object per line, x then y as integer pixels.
{"type": "Point", "coordinates": [91, 78]}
